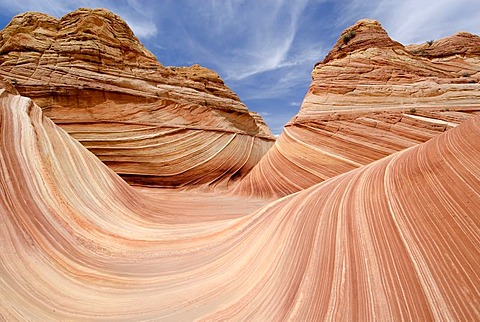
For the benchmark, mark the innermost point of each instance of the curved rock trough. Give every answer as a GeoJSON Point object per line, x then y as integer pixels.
{"type": "Point", "coordinates": [364, 209]}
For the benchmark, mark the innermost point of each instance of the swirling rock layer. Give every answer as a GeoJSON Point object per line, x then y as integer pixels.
{"type": "Point", "coordinates": [370, 97]}
{"type": "Point", "coordinates": [152, 124]}
{"type": "Point", "coordinates": [396, 239]}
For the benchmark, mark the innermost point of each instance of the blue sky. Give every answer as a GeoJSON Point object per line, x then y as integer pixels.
{"type": "Point", "coordinates": [264, 49]}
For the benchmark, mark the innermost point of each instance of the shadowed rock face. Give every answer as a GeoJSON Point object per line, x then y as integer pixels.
{"type": "Point", "coordinates": [393, 240]}
{"type": "Point", "coordinates": [370, 97]}
{"type": "Point", "coordinates": [152, 124]}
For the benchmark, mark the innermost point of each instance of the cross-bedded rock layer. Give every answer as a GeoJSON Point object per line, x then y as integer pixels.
{"type": "Point", "coordinates": [386, 226]}
{"type": "Point", "coordinates": [152, 124]}
{"type": "Point", "coordinates": [370, 97]}
{"type": "Point", "coordinates": [397, 239]}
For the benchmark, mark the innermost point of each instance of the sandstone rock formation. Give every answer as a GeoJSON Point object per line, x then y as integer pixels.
{"type": "Point", "coordinates": [381, 167]}
{"type": "Point", "coordinates": [370, 97]}
{"type": "Point", "coordinates": [152, 124]}
{"type": "Point", "coordinates": [394, 240]}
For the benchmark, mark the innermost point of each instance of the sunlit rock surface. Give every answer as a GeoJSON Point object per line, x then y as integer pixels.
{"type": "Point", "coordinates": [397, 239]}
{"type": "Point", "coordinates": [378, 174]}
{"type": "Point", "coordinates": [154, 125]}
{"type": "Point", "coordinates": [370, 97]}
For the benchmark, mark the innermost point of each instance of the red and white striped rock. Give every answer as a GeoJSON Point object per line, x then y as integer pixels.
{"type": "Point", "coordinates": [369, 98]}
{"type": "Point", "coordinates": [397, 239]}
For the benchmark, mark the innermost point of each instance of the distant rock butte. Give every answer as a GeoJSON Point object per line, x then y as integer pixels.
{"type": "Point", "coordinates": [370, 97]}
{"type": "Point", "coordinates": [152, 124]}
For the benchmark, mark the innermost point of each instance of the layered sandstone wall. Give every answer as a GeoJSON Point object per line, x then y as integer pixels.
{"type": "Point", "coordinates": [78, 243]}
{"type": "Point", "coordinates": [152, 124]}
{"type": "Point", "coordinates": [370, 97]}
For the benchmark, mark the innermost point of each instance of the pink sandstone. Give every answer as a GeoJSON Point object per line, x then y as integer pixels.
{"type": "Point", "coordinates": [370, 97]}
{"type": "Point", "coordinates": [396, 239]}
{"type": "Point", "coordinates": [378, 217]}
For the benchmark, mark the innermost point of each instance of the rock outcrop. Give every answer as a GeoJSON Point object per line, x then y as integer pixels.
{"type": "Point", "coordinates": [394, 240]}
{"type": "Point", "coordinates": [152, 124]}
{"type": "Point", "coordinates": [381, 165]}
{"type": "Point", "coordinates": [370, 97]}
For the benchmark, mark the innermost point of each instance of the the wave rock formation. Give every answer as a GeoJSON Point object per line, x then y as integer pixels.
{"type": "Point", "coordinates": [366, 229]}
{"type": "Point", "coordinates": [397, 238]}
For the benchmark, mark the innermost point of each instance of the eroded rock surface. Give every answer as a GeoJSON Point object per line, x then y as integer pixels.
{"type": "Point", "coordinates": [370, 97]}
{"type": "Point", "coordinates": [386, 225]}
{"type": "Point", "coordinates": [78, 243]}
{"type": "Point", "coordinates": [152, 124]}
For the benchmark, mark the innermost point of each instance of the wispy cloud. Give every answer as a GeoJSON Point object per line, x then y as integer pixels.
{"type": "Point", "coordinates": [418, 21]}
{"type": "Point", "coordinates": [142, 29]}
{"type": "Point", "coordinates": [51, 7]}
{"type": "Point", "coordinates": [255, 36]}
{"type": "Point", "coordinates": [412, 21]}
{"type": "Point", "coordinates": [274, 85]}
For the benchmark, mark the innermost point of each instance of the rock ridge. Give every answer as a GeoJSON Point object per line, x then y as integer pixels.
{"type": "Point", "coordinates": [364, 34]}
{"type": "Point", "coordinates": [95, 79]}
{"type": "Point", "coordinates": [370, 97]}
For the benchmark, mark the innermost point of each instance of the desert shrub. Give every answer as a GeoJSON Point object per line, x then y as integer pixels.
{"type": "Point", "coordinates": [418, 52]}
{"type": "Point", "coordinates": [348, 36]}
{"type": "Point", "coordinates": [412, 110]}
{"type": "Point", "coordinates": [430, 42]}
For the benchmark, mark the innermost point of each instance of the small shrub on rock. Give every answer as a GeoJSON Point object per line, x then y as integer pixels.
{"type": "Point", "coordinates": [348, 36]}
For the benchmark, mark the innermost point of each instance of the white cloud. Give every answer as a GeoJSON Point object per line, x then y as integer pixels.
{"type": "Point", "coordinates": [419, 21]}
{"type": "Point", "coordinates": [51, 7]}
{"type": "Point", "coordinates": [413, 21]}
{"type": "Point", "coordinates": [142, 29]}
{"type": "Point", "coordinates": [257, 35]}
